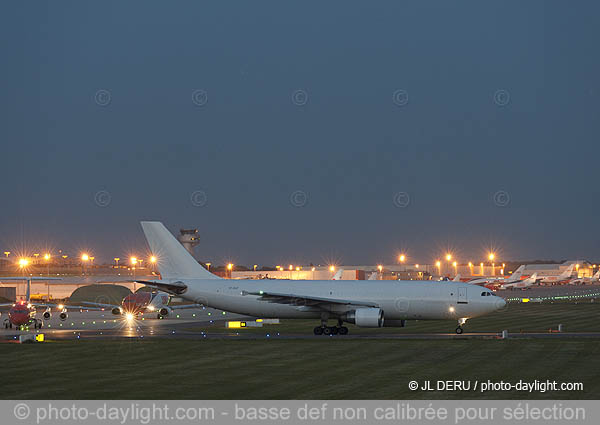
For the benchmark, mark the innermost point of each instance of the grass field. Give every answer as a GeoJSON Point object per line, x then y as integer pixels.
{"type": "Point", "coordinates": [316, 368]}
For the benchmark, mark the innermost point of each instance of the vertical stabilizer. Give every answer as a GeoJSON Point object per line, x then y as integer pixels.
{"type": "Point", "coordinates": [173, 260]}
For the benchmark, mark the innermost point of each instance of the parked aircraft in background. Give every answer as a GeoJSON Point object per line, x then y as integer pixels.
{"type": "Point", "coordinates": [586, 280]}
{"type": "Point", "coordinates": [156, 302]}
{"type": "Point", "coordinates": [564, 277]}
{"type": "Point", "coordinates": [23, 313]}
{"type": "Point", "coordinates": [521, 284]}
{"type": "Point", "coordinates": [492, 282]}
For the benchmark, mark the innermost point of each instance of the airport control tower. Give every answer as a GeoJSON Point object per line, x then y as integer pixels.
{"type": "Point", "coordinates": [189, 239]}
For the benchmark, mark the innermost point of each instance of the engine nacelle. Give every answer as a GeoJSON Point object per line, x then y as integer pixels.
{"type": "Point", "coordinates": [116, 311]}
{"type": "Point", "coordinates": [47, 314]}
{"type": "Point", "coordinates": [366, 317]}
{"type": "Point", "coordinates": [165, 311]}
{"type": "Point", "coordinates": [63, 316]}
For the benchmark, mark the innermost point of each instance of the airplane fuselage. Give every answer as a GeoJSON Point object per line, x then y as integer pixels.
{"type": "Point", "coordinates": [399, 300]}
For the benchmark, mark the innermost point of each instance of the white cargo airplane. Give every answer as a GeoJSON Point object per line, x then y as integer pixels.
{"type": "Point", "coordinates": [521, 284]}
{"type": "Point", "coordinates": [364, 303]}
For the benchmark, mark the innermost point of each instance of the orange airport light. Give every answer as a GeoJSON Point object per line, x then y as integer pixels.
{"type": "Point", "coordinates": [85, 257]}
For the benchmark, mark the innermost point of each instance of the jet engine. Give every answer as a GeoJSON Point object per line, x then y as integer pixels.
{"type": "Point", "coordinates": [47, 314]}
{"type": "Point", "coordinates": [63, 316]}
{"type": "Point", "coordinates": [116, 311]}
{"type": "Point", "coordinates": [366, 317]}
{"type": "Point", "coordinates": [165, 311]}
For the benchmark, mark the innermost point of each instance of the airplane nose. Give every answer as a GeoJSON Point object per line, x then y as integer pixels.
{"type": "Point", "coordinates": [500, 303]}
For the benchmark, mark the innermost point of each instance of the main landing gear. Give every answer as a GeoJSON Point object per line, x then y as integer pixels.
{"type": "Point", "coordinates": [331, 330]}
{"type": "Point", "coordinates": [461, 322]}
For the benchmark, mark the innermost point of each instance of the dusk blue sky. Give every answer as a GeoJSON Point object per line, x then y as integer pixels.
{"type": "Point", "coordinates": [484, 113]}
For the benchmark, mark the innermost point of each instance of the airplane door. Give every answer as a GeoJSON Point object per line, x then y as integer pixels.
{"type": "Point", "coordinates": [462, 296]}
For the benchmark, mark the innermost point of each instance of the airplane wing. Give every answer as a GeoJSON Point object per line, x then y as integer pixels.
{"type": "Point", "coordinates": [64, 306]}
{"type": "Point", "coordinates": [99, 304]}
{"type": "Point", "coordinates": [306, 300]}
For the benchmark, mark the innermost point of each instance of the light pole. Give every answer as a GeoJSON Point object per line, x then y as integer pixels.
{"type": "Point", "coordinates": [47, 259]}
{"type": "Point", "coordinates": [84, 259]}
{"type": "Point", "coordinates": [133, 262]}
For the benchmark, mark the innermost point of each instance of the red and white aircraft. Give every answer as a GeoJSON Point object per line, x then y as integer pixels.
{"type": "Point", "coordinates": [521, 284]}
{"type": "Point", "coordinates": [564, 277]}
{"type": "Point", "coordinates": [23, 313]}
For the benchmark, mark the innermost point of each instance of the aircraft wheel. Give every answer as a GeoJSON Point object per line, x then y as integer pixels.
{"type": "Point", "coordinates": [318, 330]}
{"type": "Point", "coordinates": [459, 330]}
{"type": "Point", "coordinates": [327, 330]}
{"type": "Point", "coordinates": [334, 330]}
{"type": "Point", "coordinates": [343, 330]}
{"type": "Point", "coordinates": [158, 316]}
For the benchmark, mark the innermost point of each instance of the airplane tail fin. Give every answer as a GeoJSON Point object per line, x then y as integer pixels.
{"type": "Point", "coordinates": [597, 275]}
{"type": "Point", "coordinates": [173, 260]}
{"type": "Point", "coordinates": [456, 278]}
{"type": "Point", "coordinates": [338, 275]}
{"type": "Point", "coordinates": [568, 272]}
{"type": "Point", "coordinates": [518, 273]}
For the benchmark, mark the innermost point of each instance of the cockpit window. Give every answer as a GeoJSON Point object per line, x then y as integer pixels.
{"type": "Point", "coordinates": [486, 294]}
